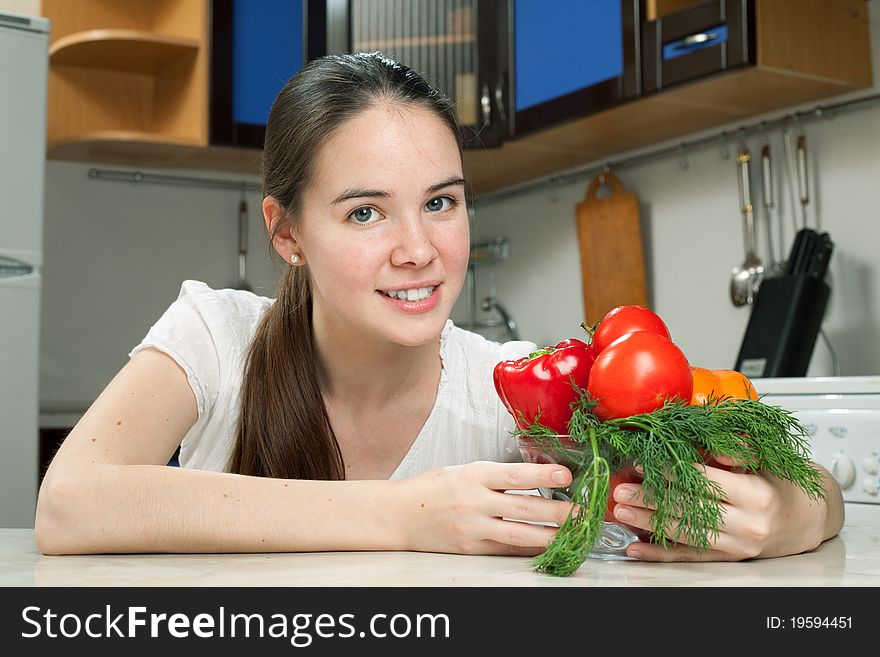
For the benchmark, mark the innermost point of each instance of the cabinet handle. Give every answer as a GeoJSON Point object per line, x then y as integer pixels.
{"type": "Point", "coordinates": [12, 268]}
{"type": "Point", "coordinates": [486, 104]}
{"type": "Point", "coordinates": [499, 98]}
{"type": "Point", "coordinates": [695, 39]}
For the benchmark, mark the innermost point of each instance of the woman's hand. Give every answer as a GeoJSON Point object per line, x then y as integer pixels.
{"type": "Point", "coordinates": [763, 517]}
{"type": "Point", "coordinates": [461, 509]}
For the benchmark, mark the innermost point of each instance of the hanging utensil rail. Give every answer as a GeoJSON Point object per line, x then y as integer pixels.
{"type": "Point", "coordinates": [119, 175]}
{"type": "Point", "coordinates": [589, 170]}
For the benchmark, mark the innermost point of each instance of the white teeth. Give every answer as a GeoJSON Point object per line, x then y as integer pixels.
{"type": "Point", "coordinates": [413, 294]}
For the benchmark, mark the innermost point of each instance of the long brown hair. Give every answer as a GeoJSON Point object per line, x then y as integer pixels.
{"type": "Point", "coordinates": [283, 427]}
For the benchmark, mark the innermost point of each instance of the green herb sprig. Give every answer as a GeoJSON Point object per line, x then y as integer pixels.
{"type": "Point", "coordinates": [670, 445]}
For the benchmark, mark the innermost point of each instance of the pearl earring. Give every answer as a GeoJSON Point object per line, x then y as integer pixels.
{"type": "Point", "coordinates": [294, 259]}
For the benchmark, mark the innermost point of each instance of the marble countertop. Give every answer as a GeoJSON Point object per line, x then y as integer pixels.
{"type": "Point", "coordinates": [850, 559]}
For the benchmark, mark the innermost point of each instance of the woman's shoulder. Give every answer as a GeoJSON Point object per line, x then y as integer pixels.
{"type": "Point", "coordinates": [477, 347]}
{"type": "Point", "coordinates": [207, 332]}
{"type": "Point", "coordinates": [225, 311]}
{"type": "Point", "coordinates": [208, 299]}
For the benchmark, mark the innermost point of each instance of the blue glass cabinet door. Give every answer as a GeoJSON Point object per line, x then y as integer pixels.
{"type": "Point", "coordinates": [257, 45]}
{"type": "Point", "coordinates": [572, 58]}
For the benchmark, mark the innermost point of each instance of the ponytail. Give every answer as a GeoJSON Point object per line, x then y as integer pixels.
{"type": "Point", "coordinates": [283, 429]}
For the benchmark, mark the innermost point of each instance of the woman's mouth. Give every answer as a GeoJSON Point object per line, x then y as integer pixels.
{"type": "Point", "coordinates": [415, 299]}
{"type": "Point", "coordinates": [411, 294]}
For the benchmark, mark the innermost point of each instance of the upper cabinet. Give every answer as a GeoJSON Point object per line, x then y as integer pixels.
{"type": "Point", "coordinates": [127, 80]}
{"type": "Point", "coordinates": [256, 46]}
{"type": "Point", "coordinates": [573, 59]}
{"type": "Point", "coordinates": [539, 86]}
{"type": "Point", "coordinates": [459, 46]}
{"type": "Point", "coordinates": [510, 66]}
{"type": "Point", "coordinates": [704, 64]}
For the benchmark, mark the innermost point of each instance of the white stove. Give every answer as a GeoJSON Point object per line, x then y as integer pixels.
{"type": "Point", "coordinates": [842, 417]}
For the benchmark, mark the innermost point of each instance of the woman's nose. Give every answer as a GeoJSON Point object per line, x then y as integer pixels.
{"type": "Point", "coordinates": [414, 246]}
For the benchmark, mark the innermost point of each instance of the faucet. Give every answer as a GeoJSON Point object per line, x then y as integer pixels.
{"type": "Point", "coordinates": [490, 303]}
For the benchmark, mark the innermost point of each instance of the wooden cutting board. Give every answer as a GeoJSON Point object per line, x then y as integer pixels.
{"type": "Point", "coordinates": [612, 261]}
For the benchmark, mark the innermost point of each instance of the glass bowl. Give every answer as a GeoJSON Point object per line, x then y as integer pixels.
{"type": "Point", "coordinates": [563, 450]}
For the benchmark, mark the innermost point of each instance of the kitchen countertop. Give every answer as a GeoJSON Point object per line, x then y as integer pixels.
{"type": "Point", "coordinates": [850, 559]}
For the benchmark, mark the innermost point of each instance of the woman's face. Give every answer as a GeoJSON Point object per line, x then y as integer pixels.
{"type": "Point", "coordinates": [384, 228]}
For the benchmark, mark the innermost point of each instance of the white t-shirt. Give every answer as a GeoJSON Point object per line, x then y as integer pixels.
{"type": "Point", "coordinates": [208, 333]}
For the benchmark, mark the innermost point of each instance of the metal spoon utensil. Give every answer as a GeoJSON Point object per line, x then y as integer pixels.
{"type": "Point", "coordinates": [746, 278]}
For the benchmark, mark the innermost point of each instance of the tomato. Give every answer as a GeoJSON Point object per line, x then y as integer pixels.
{"type": "Point", "coordinates": [720, 383]}
{"type": "Point", "coordinates": [636, 374]}
{"type": "Point", "coordinates": [627, 319]}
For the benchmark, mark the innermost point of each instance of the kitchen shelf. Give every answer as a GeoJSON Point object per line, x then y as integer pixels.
{"type": "Point", "coordinates": [122, 50]}
{"type": "Point", "coordinates": [135, 73]}
{"type": "Point", "coordinates": [146, 150]}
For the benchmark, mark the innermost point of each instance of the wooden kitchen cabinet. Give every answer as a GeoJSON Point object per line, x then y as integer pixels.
{"type": "Point", "coordinates": [795, 51]}
{"type": "Point", "coordinates": [128, 81]}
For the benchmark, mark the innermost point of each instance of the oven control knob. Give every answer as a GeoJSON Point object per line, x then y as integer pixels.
{"type": "Point", "coordinates": [870, 486]}
{"type": "Point", "coordinates": [870, 465]}
{"type": "Point", "coordinates": [843, 469]}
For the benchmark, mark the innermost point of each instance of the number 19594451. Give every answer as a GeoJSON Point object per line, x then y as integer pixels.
{"type": "Point", "coordinates": [809, 622]}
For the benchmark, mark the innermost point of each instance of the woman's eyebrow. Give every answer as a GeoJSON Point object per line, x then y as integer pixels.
{"type": "Point", "coordinates": [449, 182]}
{"type": "Point", "coordinates": [364, 192]}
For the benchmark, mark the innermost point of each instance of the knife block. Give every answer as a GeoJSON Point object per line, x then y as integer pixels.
{"type": "Point", "coordinates": [783, 327]}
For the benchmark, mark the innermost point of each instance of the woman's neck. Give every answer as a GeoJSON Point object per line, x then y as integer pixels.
{"type": "Point", "coordinates": [367, 370]}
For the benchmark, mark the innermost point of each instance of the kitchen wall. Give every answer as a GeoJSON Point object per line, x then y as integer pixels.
{"type": "Point", "coordinates": [115, 256]}
{"type": "Point", "coordinates": [116, 253]}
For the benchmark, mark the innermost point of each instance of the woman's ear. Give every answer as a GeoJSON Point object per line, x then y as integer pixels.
{"type": "Point", "coordinates": [283, 238]}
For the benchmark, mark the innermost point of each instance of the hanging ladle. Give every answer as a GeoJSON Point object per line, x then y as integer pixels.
{"type": "Point", "coordinates": [746, 278]}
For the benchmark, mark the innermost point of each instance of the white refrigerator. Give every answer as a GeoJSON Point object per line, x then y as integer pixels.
{"type": "Point", "coordinates": [24, 66]}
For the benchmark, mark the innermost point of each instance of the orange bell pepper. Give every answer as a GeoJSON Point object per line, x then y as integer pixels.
{"type": "Point", "coordinates": [720, 383]}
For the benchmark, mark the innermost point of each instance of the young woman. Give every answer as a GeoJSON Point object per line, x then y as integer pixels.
{"type": "Point", "coordinates": [348, 413]}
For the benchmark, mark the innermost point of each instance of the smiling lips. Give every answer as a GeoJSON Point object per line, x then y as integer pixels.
{"type": "Point", "coordinates": [412, 294]}
{"type": "Point", "coordinates": [414, 299]}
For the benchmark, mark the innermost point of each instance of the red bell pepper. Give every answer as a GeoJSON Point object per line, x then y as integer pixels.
{"type": "Point", "coordinates": [539, 385]}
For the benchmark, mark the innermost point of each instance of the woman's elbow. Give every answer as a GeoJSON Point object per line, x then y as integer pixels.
{"type": "Point", "coordinates": [55, 530]}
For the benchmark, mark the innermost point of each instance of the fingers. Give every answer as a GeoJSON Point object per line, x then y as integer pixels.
{"type": "Point", "coordinates": [676, 552]}
{"type": "Point", "coordinates": [642, 518]}
{"type": "Point", "coordinates": [519, 534]}
{"type": "Point", "coordinates": [529, 508]}
{"type": "Point", "coordinates": [727, 463]}
{"type": "Point", "coordinates": [743, 534]}
{"type": "Point", "coordinates": [523, 476]}
{"type": "Point", "coordinates": [731, 484]}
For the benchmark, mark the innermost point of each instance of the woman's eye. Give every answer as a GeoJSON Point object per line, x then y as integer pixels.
{"type": "Point", "coordinates": [439, 204]}
{"type": "Point", "coordinates": [363, 215]}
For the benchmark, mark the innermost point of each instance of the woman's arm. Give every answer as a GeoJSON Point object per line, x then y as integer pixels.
{"type": "Point", "coordinates": [108, 490]}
